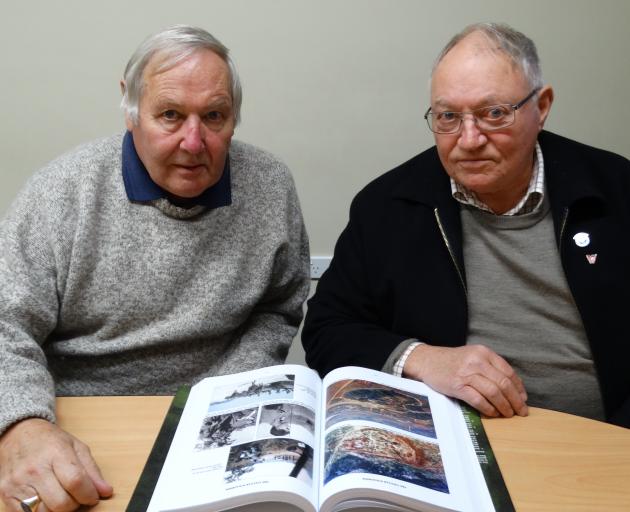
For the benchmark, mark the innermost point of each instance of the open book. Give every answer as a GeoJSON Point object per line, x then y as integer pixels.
{"type": "Point", "coordinates": [358, 439]}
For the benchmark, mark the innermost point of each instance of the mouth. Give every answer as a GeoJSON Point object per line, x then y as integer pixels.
{"type": "Point", "coordinates": [474, 164]}
{"type": "Point", "coordinates": [193, 168]}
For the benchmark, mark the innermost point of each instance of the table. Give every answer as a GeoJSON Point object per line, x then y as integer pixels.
{"type": "Point", "coordinates": [550, 461]}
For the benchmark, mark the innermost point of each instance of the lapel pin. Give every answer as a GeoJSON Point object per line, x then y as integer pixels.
{"type": "Point", "coordinates": [591, 258]}
{"type": "Point", "coordinates": [582, 239]}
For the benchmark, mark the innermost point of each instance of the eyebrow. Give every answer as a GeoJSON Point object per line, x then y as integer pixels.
{"type": "Point", "coordinates": [170, 103]}
{"type": "Point", "coordinates": [491, 99]}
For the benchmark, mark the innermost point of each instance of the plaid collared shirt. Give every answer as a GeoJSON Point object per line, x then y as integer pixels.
{"type": "Point", "coordinates": [530, 201]}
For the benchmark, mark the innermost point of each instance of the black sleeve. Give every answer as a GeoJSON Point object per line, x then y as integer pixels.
{"type": "Point", "coordinates": [345, 323]}
{"type": "Point", "coordinates": [621, 416]}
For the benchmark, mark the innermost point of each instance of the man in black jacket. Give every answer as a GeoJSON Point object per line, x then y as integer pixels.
{"type": "Point", "coordinates": [493, 266]}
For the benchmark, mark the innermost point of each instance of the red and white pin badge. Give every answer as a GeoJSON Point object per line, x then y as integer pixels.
{"type": "Point", "coordinates": [591, 258]}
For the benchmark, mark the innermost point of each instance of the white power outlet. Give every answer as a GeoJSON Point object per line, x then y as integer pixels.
{"type": "Point", "coordinates": [318, 265]}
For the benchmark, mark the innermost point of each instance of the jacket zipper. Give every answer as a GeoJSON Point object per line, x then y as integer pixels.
{"type": "Point", "coordinates": [450, 251]}
{"type": "Point", "coordinates": [562, 226]}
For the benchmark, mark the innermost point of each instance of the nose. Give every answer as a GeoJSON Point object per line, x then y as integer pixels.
{"type": "Point", "coordinates": [192, 137]}
{"type": "Point", "coordinates": [471, 137]}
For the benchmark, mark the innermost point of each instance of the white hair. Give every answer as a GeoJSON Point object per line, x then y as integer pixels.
{"type": "Point", "coordinates": [516, 45]}
{"type": "Point", "coordinates": [174, 45]}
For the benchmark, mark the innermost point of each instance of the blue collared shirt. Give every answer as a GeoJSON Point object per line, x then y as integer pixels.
{"type": "Point", "coordinates": [140, 187]}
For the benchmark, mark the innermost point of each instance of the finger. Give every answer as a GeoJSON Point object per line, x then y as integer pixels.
{"type": "Point", "coordinates": [475, 399]}
{"type": "Point", "coordinates": [504, 367]}
{"type": "Point", "coordinates": [75, 480]}
{"type": "Point", "coordinates": [44, 483]}
{"type": "Point", "coordinates": [22, 492]}
{"type": "Point", "coordinates": [54, 497]}
{"type": "Point", "coordinates": [510, 385]}
{"type": "Point", "coordinates": [490, 390]}
{"type": "Point", "coordinates": [500, 389]}
{"type": "Point", "coordinates": [104, 489]}
{"type": "Point", "coordinates": [13, 505]}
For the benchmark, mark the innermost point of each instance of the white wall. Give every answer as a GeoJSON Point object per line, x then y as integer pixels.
{"type": "Point", "coordinates": [337, 88]}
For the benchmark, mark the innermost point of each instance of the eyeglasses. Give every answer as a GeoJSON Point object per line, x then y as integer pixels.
{"type": "Point", "coordinates": [492, 117]}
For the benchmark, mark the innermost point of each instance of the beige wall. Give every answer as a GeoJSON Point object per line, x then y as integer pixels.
{"type": "Point", "coordinates": [336, 88]}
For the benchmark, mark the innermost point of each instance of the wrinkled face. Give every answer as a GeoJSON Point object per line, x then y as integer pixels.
{"type": "Point", "coordinates": [496, 165]}
{"type": "Point", "coordinates": [185, 123]}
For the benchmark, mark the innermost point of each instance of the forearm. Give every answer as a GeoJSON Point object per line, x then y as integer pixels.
{"type": "Point", "coordinates": [28, 313]}
{"type": "Point", "coordinates": [26, 386]}
{"type": "Point", "coordinates": [332, 340]}
{"type": "Point", "coordinates": [621, 416]}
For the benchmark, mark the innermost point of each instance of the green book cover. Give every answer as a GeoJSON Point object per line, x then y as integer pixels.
{"type": "Point", "coordinates": [148, 479]}
{"type": "Point", "coordinates": [488, 462]}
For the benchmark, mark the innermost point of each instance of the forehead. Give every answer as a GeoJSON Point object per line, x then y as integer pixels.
{"type": "Point", "coordinates": [474, 72]}
{"type": "Point", "coordinates": [203, 72]}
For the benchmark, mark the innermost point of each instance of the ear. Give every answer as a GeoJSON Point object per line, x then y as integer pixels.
{"type": "Point", "coordinates": [544, 101]}
{"type": "Point", "coordinates": [128, 122]}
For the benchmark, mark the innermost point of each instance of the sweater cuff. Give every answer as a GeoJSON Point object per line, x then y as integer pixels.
{"type": "Point", "coordinates": [15, 409]}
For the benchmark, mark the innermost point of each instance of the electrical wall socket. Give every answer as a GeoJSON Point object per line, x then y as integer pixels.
{"type": "Point", "coordinates": [318, 265]}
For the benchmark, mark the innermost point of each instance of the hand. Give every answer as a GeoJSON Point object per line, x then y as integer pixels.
{"type": "Point", "coordinates": [473, 373]}
{"type": "Point", "coordinates": [36, 456]}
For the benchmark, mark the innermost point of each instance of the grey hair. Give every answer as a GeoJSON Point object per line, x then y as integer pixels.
{"type": "Point", "coordinates": [516, 45]}
{"type": "Point", "coordinates": [173, 45]}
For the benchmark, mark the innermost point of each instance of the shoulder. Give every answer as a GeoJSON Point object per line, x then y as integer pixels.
{"type": "Point", "coordinates": [574, 170]}
{"type": "Point", "coordinates": [259, 177]}
{"type": "Point", "coordinates": [56, 189]}
{"type": "Point", "coordinates": [414, 179]}
{"type": "Point", "coordinates": [561, 149]}
{"type": "Point", "coordinates": [78, 164]}
{"type": "Point", "coordinates": [252, 159]}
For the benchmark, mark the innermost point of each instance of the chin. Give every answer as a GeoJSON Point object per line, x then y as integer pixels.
{"type": "Point", "coordinates": [186, 192]}
{"type": "Point", "coordinates": [189, 189]}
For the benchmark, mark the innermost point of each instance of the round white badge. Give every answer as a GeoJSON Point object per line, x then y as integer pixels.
{"type": "Point", "coordinates": [581, 239]}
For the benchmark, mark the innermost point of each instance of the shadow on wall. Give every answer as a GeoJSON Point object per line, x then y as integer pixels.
{"type": "Point", "coordinates": [296, 352]}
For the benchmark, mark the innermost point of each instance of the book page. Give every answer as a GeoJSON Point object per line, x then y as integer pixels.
{"type": "Point", "coordinates": [244, 438]}
{"type": "Point", "coordinates": [396, 441]}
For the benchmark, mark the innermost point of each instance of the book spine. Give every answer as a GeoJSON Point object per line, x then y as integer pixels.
{"type": "Point", "coordinates": [148, 479]}
{"type": "Point", "coordinates": [487, 461]}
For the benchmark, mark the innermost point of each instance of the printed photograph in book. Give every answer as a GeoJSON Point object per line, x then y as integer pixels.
{"type": "Point", "coordinates": [270, 457]}
{"type": "Point", "coordinates": [285, 419]}
{"type": "Point", "coordinates": [226, 429]}
{"type": "Point", "coordinates": [251, 392]}
{"type": "Point", "coordinates": [361, 400]}
{"type": "Point", "coordinates": [376, 451]}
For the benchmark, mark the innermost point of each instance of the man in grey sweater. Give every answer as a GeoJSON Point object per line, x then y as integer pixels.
{"type": "Point", "coordinates": [141, 262]}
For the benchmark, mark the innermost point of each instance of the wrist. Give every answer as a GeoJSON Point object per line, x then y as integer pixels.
{"type": "Point", "coordinates": [414, 365]}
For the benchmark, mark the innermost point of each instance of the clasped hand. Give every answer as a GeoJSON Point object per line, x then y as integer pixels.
{"type": "Point", "coordinates": [36, 456]}
{"type": "Point", "coordinates": [474, 374]}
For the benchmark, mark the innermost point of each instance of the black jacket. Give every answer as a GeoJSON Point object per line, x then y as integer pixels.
{"type": "Point", "coordinates": [398, 270]}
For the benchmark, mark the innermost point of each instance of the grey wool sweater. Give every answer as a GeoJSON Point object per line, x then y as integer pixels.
{"type": "Point", "coordinates": [101, 296]}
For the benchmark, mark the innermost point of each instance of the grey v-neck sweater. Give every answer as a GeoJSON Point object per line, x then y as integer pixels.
{"type": "Point", "coordinates": [520, 306]}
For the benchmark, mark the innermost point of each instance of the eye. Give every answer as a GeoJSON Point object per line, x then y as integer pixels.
{"type": "Point", "coordinates": [494, 113]}
{"type": "Point", "coordinates": [447, 117]}
{"type": "Point", "coordinates": [214, 116]}
{"type": "Point", "coordinates": [170, 115]}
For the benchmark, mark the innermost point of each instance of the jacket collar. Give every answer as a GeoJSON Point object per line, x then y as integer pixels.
{"type": "Point", "coordinates": [567, 177]}
{"type": "Point", "coordinates": [568, 181]}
